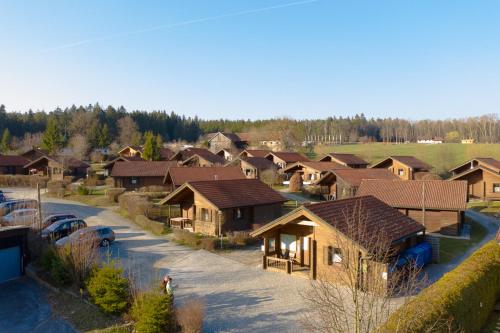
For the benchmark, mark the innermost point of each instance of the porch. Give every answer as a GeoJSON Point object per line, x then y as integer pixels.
{"type": "Point", "coordinates": [181, 223]}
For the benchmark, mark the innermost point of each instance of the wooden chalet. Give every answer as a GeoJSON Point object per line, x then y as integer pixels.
{"type": "Point", "coordinates": [348, 160]}
{"type": "Point", "coordinates": [252, 167]}
{"type": "Point", "coordinates": [130, 151]}
{"type": "Point", "coordinates": [222, 140]}
{"type": "Point", "coordinates": [133, 175]}
{"type": "Point", "coordinates": [283, 159]}
{"type": "Point", "coordinates": [109, 165]}
{"type": "Point", "coordinates": [178, 175]}
{"type": "Point", "coordinates": [343, 183]}
{"type": "Point", "coordinates": [228, 154]}
{"type": "Point", "coordinates": [184, 154]}
{"type": "Point", "coordinates": [253, 153]}
{"type": "Point", "coordinates": [216, 207]}
{"type": "Point", "coordinates": [35, 153]}
{"type": "Point", "coordinates": [13, 165]}
{"type": "Point", "coordinates": [405, 167]}
{"type": "Point", "coordinates": [439, 205]}
{"type": "Point", "coordinates": [482, 175]}
{"type": "Point", "coordinates": [57, 167]}
{"type": "Point", "coordinates": [311, 171]}
{"type": "Point", "coordinates": [204, 159]}
{"type": "Point", "coordinates": [315, 240]}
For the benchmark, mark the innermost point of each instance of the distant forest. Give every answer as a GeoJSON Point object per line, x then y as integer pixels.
{"type": "Point", "coordinates": [102, 126]}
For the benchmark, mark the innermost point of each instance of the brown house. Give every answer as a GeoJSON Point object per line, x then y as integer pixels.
{"type": "Point", "coordinates": [221, 140]}
{"type": "Point", "coordinates": [184, 154]}
{"type": "Point", "coordinates": [254, 153]}
{"type": "Point", "coordinates": [316, 239]}
{"type": "Point", "coordinates": [283, 159]}
{"type": "Point", "coordinates": [109, 166]}
{"type": "Point", "coordinates": [177, 176]}
{"type": "Point", "coordinates": [343, 183]}
{"type": "Point", "coordinates": [35, 153]}
{"type": "Point", "coordinates": [311, 171]}
{"type": "Point", "coordinates": [252, 167]}
{"type": "Point", "coordinates": [405, 167]}
{"type": "Point", "coordinates": [13, 165]}
{"type": "Point", "coordinates": [219, 206]}
{"type": "Point", "coordinates": [133, 175]}
{"type": "Point", "coordinates": [482, 175]}
{"type": "Point", "coordinates": [204, 159]}
{"type": "Point", "coordinates": [131, 151]}
{"type": "Point", "coordinates": [349, 160]}
{"type": "Point", "coordinates": [439, 205]}
{"type": "Point", "coordinates": [228, 154]}
{"type": "Point", "coordinates": [57, 167]}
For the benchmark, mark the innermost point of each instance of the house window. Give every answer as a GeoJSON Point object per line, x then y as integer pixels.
{"type": "Point", "coordinates": [401, 172]}
{"type": "Point", "coordinates": [333, 255]}
{"type": "Point", "coordinates": [238, 214]}
{"type": "Point", "coordinates": [496, 188]}
{"type": "Point", "coordinates": [205, 215]}
{"type": "Point", "coordinates": [133, 180]}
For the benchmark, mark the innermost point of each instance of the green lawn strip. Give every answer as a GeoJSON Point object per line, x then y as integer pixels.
{"type": "Point", "coordinates": [84, 317]}
{"type": "Point", "coordinates": [450, 248]}
{"type": "Point", "coordinates": [96, 200]}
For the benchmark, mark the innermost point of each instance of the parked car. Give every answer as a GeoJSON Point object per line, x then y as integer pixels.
{"type": "Point", "coordinates": [56, 217]}
{"type": "Point", "coordinates": [62, 228]}
{"type": "Point", "coordinates": [2, 197]}
{"type": "Point", "coordinates": [28, 216]}
{"type": "Point", "coordinates": [96, 236]}
{"type": "Point", "coordinates": [11, 205]}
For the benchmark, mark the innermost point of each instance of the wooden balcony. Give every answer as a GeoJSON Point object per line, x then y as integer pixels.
{"type": "Point", "coordinates": [289, 266]}
{"type": "Point", "coordinates": [181, 223]}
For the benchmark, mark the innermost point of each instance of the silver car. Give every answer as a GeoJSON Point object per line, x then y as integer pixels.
{"type": "Point", "coordinates": [28, 217]}
{"type": "Point", "coordinates": [94, 236]}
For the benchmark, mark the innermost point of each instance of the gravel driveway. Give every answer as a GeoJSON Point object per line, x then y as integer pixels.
{"type": "Point", "coordinates": [239, 296]}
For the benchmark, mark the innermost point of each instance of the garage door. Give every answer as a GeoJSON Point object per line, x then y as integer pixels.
{"type": "Point", "coordinates": [10, 263]}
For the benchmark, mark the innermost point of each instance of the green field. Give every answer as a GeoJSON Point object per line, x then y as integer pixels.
{"type": "Point", "coordinates": [441, 156]}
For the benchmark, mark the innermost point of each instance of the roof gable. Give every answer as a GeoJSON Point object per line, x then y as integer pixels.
{"type": "Point", "coordinates": [409, 161]}
{"type": "Point", "coordinates": [489, 162]}
{"type": "Point", "coordinates": [348, 159]}
{"type": "Point", "coordinates": [288, 157]}
{"type": "Point", "coordinates": [354, 177]}
{"type": "Point", "coordinates": [141, 168]}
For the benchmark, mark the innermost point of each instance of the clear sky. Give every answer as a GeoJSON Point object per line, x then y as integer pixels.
{"type": "Point", "coordinates": [254, 59]}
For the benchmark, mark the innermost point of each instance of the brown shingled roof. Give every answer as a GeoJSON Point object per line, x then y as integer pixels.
{"type": "Point", "coordinates": [350, 159]}
{"type": "Point", "coordinates": [256, 152]}
{"type": "Point", "coordinates": [289, 157]}
{"type": "Point", "coordinates": [141, 168]}
{"type": "Point", "coordinates": [181, 175]}
{"type": "Point", "coordinates": [231, 193]}
{"type": "Point", "coordinates": [259, 163]}
{"type": "Point", "coordinates": [166, 153]}
{"type": "Point", "coordinates": [13, 160]}
{"type": "Point", "coordinates": [355, 176]}
{"type": "Point", "coordinates": [377, 216]}
{"type": "Point", "coordinates": [488, 162]}
{"type": "Point", "coordinates": [318, 166]}
{"type": "Point", "coordinates": [189, 152]}
{"type": "Point", "coordinates": [438, 194]}
{"type": "Point", "coordinates": [410, 161]}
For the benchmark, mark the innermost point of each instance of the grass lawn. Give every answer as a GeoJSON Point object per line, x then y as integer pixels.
{"type": "Point", "coordinates": [84, 317]}
{"type": "Point", "coordinates": [96, 200]}
{"type": "Point", "coordinates": [489, 208]}
{"type": "Point", "coordinates": [450, 248]}
{"type": "Point", "coordinates": [441, 156]}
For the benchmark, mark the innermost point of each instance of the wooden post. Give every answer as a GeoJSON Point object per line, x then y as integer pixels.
{"type": "Point", "coordinates": [289, 266]}
{"type": "Point", "coordinates": [301, 244]}
{"type": "Point", "coordinates": [313, 259]}
{"type": "Point", "coordinates": [266, 246]}
{"type": "Point", "coordinates": [264, 262]}
{"type": "Point", "coordinates": [39, 208]}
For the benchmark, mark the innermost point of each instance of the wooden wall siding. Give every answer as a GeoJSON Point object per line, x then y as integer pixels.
{"type": "Point", "coordinates": [248, 170]}
{"type": "Point", "coordinates": [480, 185]}
{"type": "Point", "coordinates": [407, 172]}
{"type": "Point", "coordinates": [12, 170]}
{"type": "Point", "coordinates": [126, 182]}
{"type": "Point", "coordinates": [220, 142]}
{"type": "Point", "coordinates": [265, 214]}
{"type": "Point", "coordinates": [444, 222]}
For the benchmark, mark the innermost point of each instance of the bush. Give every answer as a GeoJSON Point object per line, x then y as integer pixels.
{"type": "Point", "coordinates": [240, 238]}
{"type": "Point", "coordinates": [113, 193]}
{"type": "Point", "coordinates": [464, 297]}
{"type": "Point", "coordinates": [190, 316]}
{"type": "Point", "coordinates": [209, 244]}
{"type": "Point", "coordinates": [82, 190]}
{"type": "Point", "coordinates": [47, 258]}
{"type": "Point", "coordinates": [155, 227]}
{"type": "Point", "coordinates": [295, 182]}
{"type": "Point", "coordinates": [22, 181]}
{"type": "Point", "coordinates": [134, 204]}
{"type": "Point", "coordinates": [59, 272]}
{"type": "Point", "coordinates": [153, 312]}
{"type": "Point", "coordinates": [108, 289]}
{"type": "Point", "coordinates": [54, 187]}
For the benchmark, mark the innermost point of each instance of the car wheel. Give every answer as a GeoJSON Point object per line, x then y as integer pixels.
{"type": "Point", "coordinates": [105, 243]}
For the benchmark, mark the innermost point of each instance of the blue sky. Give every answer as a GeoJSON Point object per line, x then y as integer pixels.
{"type": "Point", "coordinates": [254, 59]}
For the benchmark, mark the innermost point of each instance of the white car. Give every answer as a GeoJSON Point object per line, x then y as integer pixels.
{"type": "Point", "coordinates": [26, 216]}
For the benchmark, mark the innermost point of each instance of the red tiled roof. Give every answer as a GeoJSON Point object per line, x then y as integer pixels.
{"type": "Point", "coordinates": [289, 157]}
{"type": "Point", "coordinates": [377, 217]}
{"type": "Point", "coordinates": [233, 193]}
{"type": "Point", "coordinates": [166, 153]}
{"type": "Point", "coordinates": [256, 152]}
{"type": "Point", "coordinates": [13, 160]}
{"type": "Point", "coordinates": [188, 152]}
{"type": "Point", "coordinates": [349, 159]}
{"type": "Point", "coordinates": [412, 162]}
{"type": "Point", "coordinates": [65, 161]}
{"type": "Point", "coordinates": [431, 194]}
{"type": "Point", "coordinates": [489, 162]}
{"type": "Point", "coordinates": [141, 168]}
{"type": "Point", "coordinates": [355, 176]}
{"type": "Point", "coordinates": [181, 175]}
{"type": "Point", "coordinates": [37, 152]}
{"type": "Point", "coordinates": [323, 166]}
{"type": "Point", "coordinates": [244, 137]}
{"type": "Point", "coordinates": [260, 163]}
{"type": "Point", "coordinates": [481, 168]}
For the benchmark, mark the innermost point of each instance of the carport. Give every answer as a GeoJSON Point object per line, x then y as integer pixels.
{"type": "Point", "coordinates": [13, 252]}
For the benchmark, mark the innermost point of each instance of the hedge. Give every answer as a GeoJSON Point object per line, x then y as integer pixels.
{"type": "Point", "coordinates": [465, 296]}
{"type": "Point", "coordinates": [23, 181]}
{"type": "Point", "coordinates": [157, 228]}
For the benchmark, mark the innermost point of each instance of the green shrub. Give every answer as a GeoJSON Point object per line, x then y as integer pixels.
{"type": "Point", "coordinates": [153, 312]}
{"type": "Point", "coordinates": [59, 272]}
{"type": "Point", "coordinates": [47, 258]}
{"type": "Point", "coordinates": [465, 296]}
{"type": "Point", "coordinates": [108, 289]}
{"type": "Point", "coordinates": [113, 193]}
{"type": "Point", "coordinates": [82, 190]}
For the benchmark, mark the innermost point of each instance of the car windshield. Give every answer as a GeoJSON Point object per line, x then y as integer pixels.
{"type": "Point", "coordinates": [53, 227]}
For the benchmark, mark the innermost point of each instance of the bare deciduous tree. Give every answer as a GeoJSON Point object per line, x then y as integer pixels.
{"type": "Point", "coordinates": [79, 146]}
{"type": "Point", "coordinates": [128, 131]}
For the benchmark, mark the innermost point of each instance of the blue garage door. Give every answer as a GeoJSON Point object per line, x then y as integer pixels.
{"type": "Point", "coordinates": [10, 263]}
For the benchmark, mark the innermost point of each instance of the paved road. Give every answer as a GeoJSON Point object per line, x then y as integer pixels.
{"type": "Point", "coordinates": [491, 224]}
{"type": "Point", "coordinates": [24, 308]}
{"type": "Point", "coordinates": [239, 295]}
